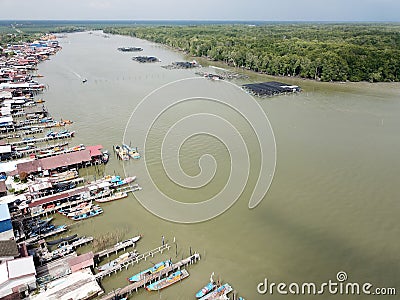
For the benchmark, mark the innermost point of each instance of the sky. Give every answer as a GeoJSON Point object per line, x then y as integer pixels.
{"type": "Point", "coordinates": [263, 10]}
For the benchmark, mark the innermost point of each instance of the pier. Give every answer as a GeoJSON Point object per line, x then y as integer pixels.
{"type": "Point", "coordinates": [43, 139]}
{"type": "Point", "coordinates": [115, 249]}
{"type": "Point", "coordinates": [134, 260]}
{"type": "Point", "coordinates": [129, 289]}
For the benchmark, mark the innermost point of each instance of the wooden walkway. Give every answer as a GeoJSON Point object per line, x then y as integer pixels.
{"type": "Point", "coordinates": [129, 289]}
{"type": "Point", "coordinates": [115, 249]}
{"type": "Point", "coordinates": [132, 261]}
{"type": "Point", "coordinates": [42, 140]}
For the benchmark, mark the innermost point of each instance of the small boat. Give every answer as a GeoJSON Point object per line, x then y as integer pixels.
{"type": "Point", "coordinates": [130, 49]}
{"type": "Point", "coordinates": [64, 239]}
{"type": "Point", "coordinates": [116, 196]}
{"type": "Point", "coordinates": [117, 182]}
{"type": "Point", "coordinates": [91, 213]}
{"type": "Point", "coordinates": [166, 282]}
{"type": "Point", "coordinates": [66, 122]}
{"type": "Point", "coordinates": [70, 212]}
{"type": "Point", "coordinates": [121, 259]}
{"type": "Point", "coordinates": [132, 240]}
{"type": "Point", "coordinates": [121, 152]}
{"type": "Point", "coordinates": [132, 152]}
{"type": "Point", "coordinates": [206, 289]}
{"type": "Point", "coordinates": [156, 268]}
{"type": "Point", "coordinates": [84, 80]}
{"type": "Point", "coordinates": [218, 293]}
{"type": "Point", "coordinates": [105, 157]}
{"type": "Point", "coordinates": [40, 101]}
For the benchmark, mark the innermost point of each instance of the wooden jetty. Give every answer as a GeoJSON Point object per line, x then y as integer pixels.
{"type": "Point", "coordinates": [43, 139]}
{"type": "Point", "coordinates": [129, 188]}
{"type": "Point", "coordinates": [116, 248]}
{"type": "Point", "coordinates": [129, 289]}
{"type": "Point", "coordinates": [134, 260]}
{"type": "Point", "coordinates": [44, 148]}
{"type": "Point", "coordinates": [82, 241]}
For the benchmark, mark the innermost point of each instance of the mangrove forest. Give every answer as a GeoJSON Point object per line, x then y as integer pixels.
{"type": "Point", "coordinates": [326, 52]}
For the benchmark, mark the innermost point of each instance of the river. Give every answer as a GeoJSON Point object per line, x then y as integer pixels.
{"type": "Point", "coordinates": [333, 203]}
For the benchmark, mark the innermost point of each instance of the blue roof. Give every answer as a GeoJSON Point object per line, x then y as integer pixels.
{"type": "Point", "coordinates": [4, 212]}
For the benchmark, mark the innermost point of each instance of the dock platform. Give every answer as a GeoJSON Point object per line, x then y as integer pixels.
{"type": "Point", "coordinates": [132, 261]}
{"type": "Point", "coordinates": [115, 249]}
{"type": "Point", "coordinates": [129, 289]}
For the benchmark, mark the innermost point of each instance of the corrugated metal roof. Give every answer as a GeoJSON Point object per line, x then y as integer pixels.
{"type": "Point", "coordinates": [53, 162]}
{"type": "Point", "coordinates": [82, 261]}
{"type": "Point", "coordinates": [95, 150]}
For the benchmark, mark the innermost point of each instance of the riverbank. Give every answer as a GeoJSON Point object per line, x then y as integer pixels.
{"type": "Point", "coordinates": [327, 52]}
{"type": "Point", "coordinates": [331, 143]}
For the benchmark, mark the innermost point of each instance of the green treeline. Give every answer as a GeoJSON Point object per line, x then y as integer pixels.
{"type": "Point", "coordinates": [327, 52]}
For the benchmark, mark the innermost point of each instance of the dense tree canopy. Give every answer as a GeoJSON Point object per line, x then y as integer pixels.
{"type": "Point", "coordinates": [327, 52]}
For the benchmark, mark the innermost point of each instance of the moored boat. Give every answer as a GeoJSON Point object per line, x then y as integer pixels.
{"type": "Point", "coordinates": [218, 293]}
{"type": "Point", "coordinates": [156, 268]}
{"type": "Point", "coordinates": [121, 259]}
{"type": "Point", "coordinates": [132, 152]}
{"type": "Point", "coordinates": [165, 282]}
{"type": "Point", "coordinates": [89, 214]}
{"type": "Point", "coordinates": [116, 196]}
{"type": "Point", "coordinates": [117, 181]}
{"type": "Point", "coordinates": [206, 289]}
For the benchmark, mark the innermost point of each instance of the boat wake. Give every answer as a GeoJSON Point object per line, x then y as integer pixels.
{"type": "Point", "coordinates": [77, 75]}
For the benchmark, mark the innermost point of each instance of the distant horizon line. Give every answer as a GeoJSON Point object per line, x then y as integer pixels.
{"type": "Point", "coordinates": [196, 20]}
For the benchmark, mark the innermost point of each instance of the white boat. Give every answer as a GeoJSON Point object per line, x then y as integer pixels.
{"type": "Point", "coordinates": [115, 196]}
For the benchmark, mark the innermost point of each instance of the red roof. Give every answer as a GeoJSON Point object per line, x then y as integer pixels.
{"type": "Point", "coordinates": [53, 162]}
{"type": "Point", "coordinates": [80, 262]}
{"type": "Point", "coordinates": [95, 150]}
{"type": "Point", "coordinates": [66, 159]}
{"type": "Point", "coordinates": [58, 197]}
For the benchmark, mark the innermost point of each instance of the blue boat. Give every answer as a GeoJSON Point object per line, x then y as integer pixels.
{"type": "Point", "coordinates": [206, 289]}
{"type": "Point", "coordinates": [156, 268]}
{"type": "Point", "coordinates": [165, 282]}
{"type": "Point", "coordinates": [89, 214]}
{"type": "Point", "coordinates": [218, 293]}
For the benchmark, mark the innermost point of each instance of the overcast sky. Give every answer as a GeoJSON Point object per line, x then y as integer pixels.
{"type": "Point", "coordinates": [267, 10]}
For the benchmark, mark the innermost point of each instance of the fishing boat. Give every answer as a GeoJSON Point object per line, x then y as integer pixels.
{"type": "Point", "coordinates": [130, 49]}
{"type": "Point", "coordinates": [156, 268]}
{"type": "Point", "coordinates": [116, 196]}
{"type": "Point", "coordinates": [116, 181]}
{"type": "Point", "coordinates": [132, 152]}
{"type": "Point", "coordinates": [206, 289]}
{"type": "Point", "coordinates": [121, 259]}
{"type": "Point", "coordinates": [132, 240]}
{"type": "Point", "coordinates": [64, 239]}
{"type": "Point", "coordinates": [166, 282]}
{"type": "Point", "coordinates": [91, 213]}
{"type": "Point", "coordinates": [105, 157]}
{"type": "Point", "coordinates": [218, 293]}
{"type": "Point", "coordinates": [121, 152]}
{"type": "Point", "coordinates": [70, 212]}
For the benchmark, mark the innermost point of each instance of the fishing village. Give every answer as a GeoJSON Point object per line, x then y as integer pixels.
{"type": "Point", "coordinates": [41, 177]}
